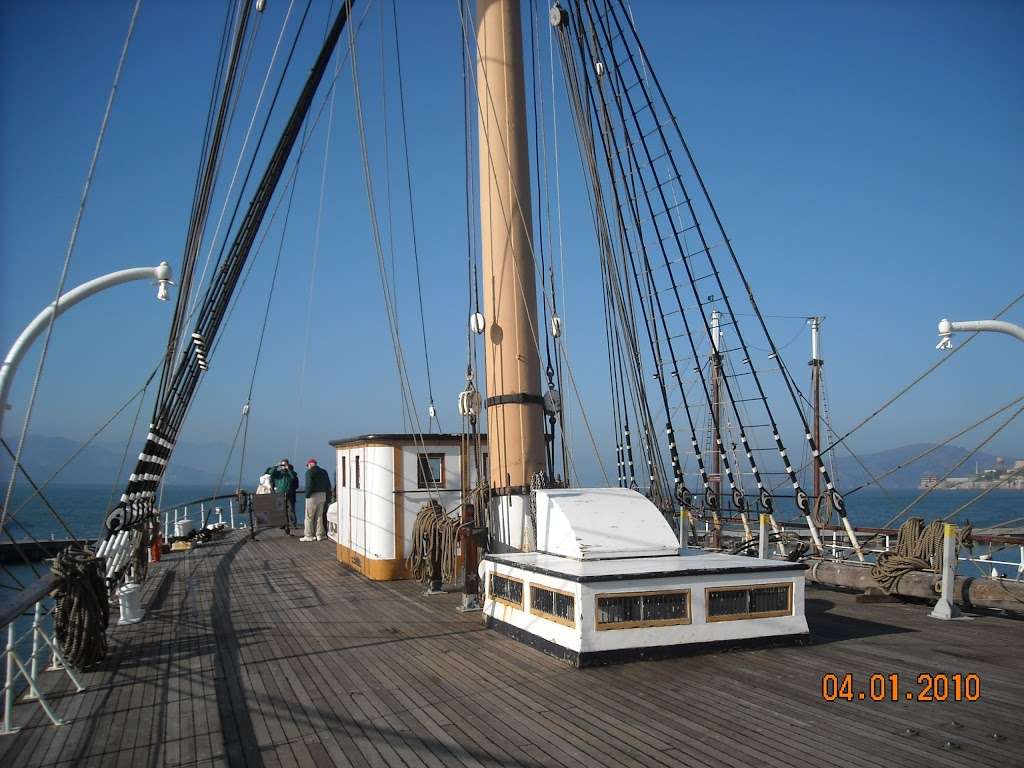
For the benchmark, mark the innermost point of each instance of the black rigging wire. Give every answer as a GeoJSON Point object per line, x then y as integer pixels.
{"type": "Point", "coordinates": [246, 408]}
{"type": "Point", "coordinates": [412, 222]}
{"type": "Point", "coordinates": [630, 177]}
{"type": "Point", "coordinates": [648, 71]}
{"type": "Point", "coordinates": [387, 191]}
{"type": "Point", "coordinates": [205, 181]}
{"type": "Point", "coordinates": [945, 358]}
{"type": "Point", "coordinates": [171, 411]}
{"type": "Point", "coordinates": [549, 430]}
{"type": "Point", "coordinates": [37, 491]}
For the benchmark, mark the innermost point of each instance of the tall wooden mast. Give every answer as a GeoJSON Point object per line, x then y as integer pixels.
{"type": "Point", "coordinates": [515, 409]}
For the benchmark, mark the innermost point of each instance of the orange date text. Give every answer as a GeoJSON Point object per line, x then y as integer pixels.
{"type": "Point", "coordinates": [927, 686]}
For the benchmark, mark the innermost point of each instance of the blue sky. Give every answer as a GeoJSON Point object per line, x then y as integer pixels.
{"type": "Point", "coordinates": [866, 159]}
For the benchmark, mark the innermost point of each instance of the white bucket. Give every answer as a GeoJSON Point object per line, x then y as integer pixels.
{"type": "Point", "coordinates": [183, 528]}
{"type": "Point", "coordinates": [131, 609]}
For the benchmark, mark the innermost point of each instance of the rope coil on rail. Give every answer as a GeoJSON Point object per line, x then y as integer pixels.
{"type": "Point", "coordinates": [82, 610]}
{"type": "Point", "coordinates": [918, 548]}
{"type": "Point", "coordinates": [434, 538]}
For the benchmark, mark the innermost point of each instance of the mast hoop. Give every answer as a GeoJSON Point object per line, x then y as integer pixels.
{"type": "Point", "coordinates": [515, 398]}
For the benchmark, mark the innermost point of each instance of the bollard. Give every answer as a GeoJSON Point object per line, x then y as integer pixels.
{"type": "Point", "coordinates": [945, 608]}
{"type": "Point", "coordinates": [762, 541]}
{"type": "Point", "coordinates": [131, 609]}
{"type": "Point", "coordinates": [468, 543]}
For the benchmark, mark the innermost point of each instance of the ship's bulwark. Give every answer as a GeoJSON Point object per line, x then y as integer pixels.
{"type": "Point", "coordinates": [271, 653]}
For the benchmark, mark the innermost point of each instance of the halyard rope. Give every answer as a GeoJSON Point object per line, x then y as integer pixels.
{"type": "Point", "coordinates": [918, 548]}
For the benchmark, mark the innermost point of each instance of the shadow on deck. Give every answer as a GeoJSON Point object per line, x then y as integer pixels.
{"type": "Point", "coordinates": [271, 653]}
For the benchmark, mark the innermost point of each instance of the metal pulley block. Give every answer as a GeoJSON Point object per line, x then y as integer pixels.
{"type": "Point", "coordinates": [469, 403]}
{"type": "Point", "coordinates": [552, 402]}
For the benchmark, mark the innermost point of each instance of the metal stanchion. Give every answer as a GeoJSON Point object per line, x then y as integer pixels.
{"type": "Point", "coordinates": [945, 608]}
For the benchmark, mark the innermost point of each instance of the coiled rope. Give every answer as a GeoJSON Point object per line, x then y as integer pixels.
{"type": "Point", "coordinates": [82, 609]}
{"type": "Point", "coordinates": [918, 548]}
{"type": "Point", "coordinates": [434, 537]}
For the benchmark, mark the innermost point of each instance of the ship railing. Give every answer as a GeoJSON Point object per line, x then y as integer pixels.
{"type": "Point", "coordinates": [206, 511]}
{"type": "Point", "coordinates": [31, 650]}
{"type": "Point", "coordinates": [997, 563]}
{"type": "Point", "coordinates": [221, 509]}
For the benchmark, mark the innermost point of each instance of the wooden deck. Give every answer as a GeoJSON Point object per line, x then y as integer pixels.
{"type": "Point", "coordinates": [270, 653]}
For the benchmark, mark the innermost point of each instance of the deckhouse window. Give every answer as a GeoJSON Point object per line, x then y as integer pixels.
{"type": "Point", "coordinates": [507, 590]}
{"type": "Point", "coordinates": [357, 473]}
{"type": "Point", "coordinates": [430, 470]}
{"type": "Point", "coordinates": [755, 601]}
{"type": "Point", "coordinates": [553, 605]}
{"type": "Point", "coordinates": [643, 609]}
{"type": "Point", "coordinates": [344, 473]}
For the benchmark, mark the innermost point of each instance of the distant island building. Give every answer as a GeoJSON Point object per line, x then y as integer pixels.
{"type": "Point", "coordinates": [1001, 476]}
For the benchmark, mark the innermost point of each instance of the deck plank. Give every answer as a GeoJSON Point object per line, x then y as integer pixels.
{"type": "Point", "coordinates": [270, 653]}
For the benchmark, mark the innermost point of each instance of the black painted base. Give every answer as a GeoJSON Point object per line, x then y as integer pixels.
{"type": "Point", "coordinates": [653, 653]}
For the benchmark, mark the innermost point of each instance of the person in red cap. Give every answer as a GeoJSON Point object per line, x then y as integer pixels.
{"type": "Point", "coordinates": [318, 485]}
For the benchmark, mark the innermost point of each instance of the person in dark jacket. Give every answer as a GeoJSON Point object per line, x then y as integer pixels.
{"type": "Point", "coordinates": [318, 486]}
{"type": "Point", "coordinates": [286, 481]}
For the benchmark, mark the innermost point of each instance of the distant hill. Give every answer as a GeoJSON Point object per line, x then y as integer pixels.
{"type": "Point", "coordinates": [98, 463]}
{"type": "Point", "coordinates": [851, 474]}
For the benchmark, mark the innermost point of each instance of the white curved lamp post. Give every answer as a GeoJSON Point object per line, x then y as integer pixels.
{"type": "Point", "coordinates": [947, 329]}
{"type": "Point", "coordinates": [161, 273]}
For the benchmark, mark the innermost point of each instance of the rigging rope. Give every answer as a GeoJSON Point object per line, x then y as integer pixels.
{"type": "Point", "coordinates": [1002, 481]}
{"type": "Point", "coordinates": [435, 537]}
{"type": "Point", "coordinates": [387, 189]}
{"type": "Point", "coordinates": [82, 609]}
{"type": "Point", "coordinates": [241, 155]}
{"type": "Point", "coordinates": [391, 311]}
{"type": "Point", "coordinates": [916, 381]}
{"type": "Point", "coordinates": [619, 32]}
{"type": "Point", "coordinates": [72, 241]}
{"type": "Point", "coordinates": [258, 248]}
{"type": "Point", "coordinates": [932, 449]}
{"type": "Point", "coordinates": [432, 412]}
{"type": "Point", "coordinates": [205, 182]}
{"type": "Point", "coordinates": [37, 491]}
{"type": "Point", "coordinates": [463, 12]}
{"type": "Point", "coordinates": [613, 156]}
{"type": "Point", "coordinates": [128, 442]}
{"type": "Point", "coordinates": [316, 250]}
{"type": "Point", "coordinates": [918, 548]}
{"type": "Point", "coordinates": [137, 501]}
{"type": "Point", "coordinates": [960, 463]}
{"type": "Point", "coordinates": [610, 275]}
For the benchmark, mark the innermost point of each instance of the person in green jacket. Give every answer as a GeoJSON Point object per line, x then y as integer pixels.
{"type": "Point", "coordinates": [284, 480]}
{"type": "Point", "coordinates": [318, 486]}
